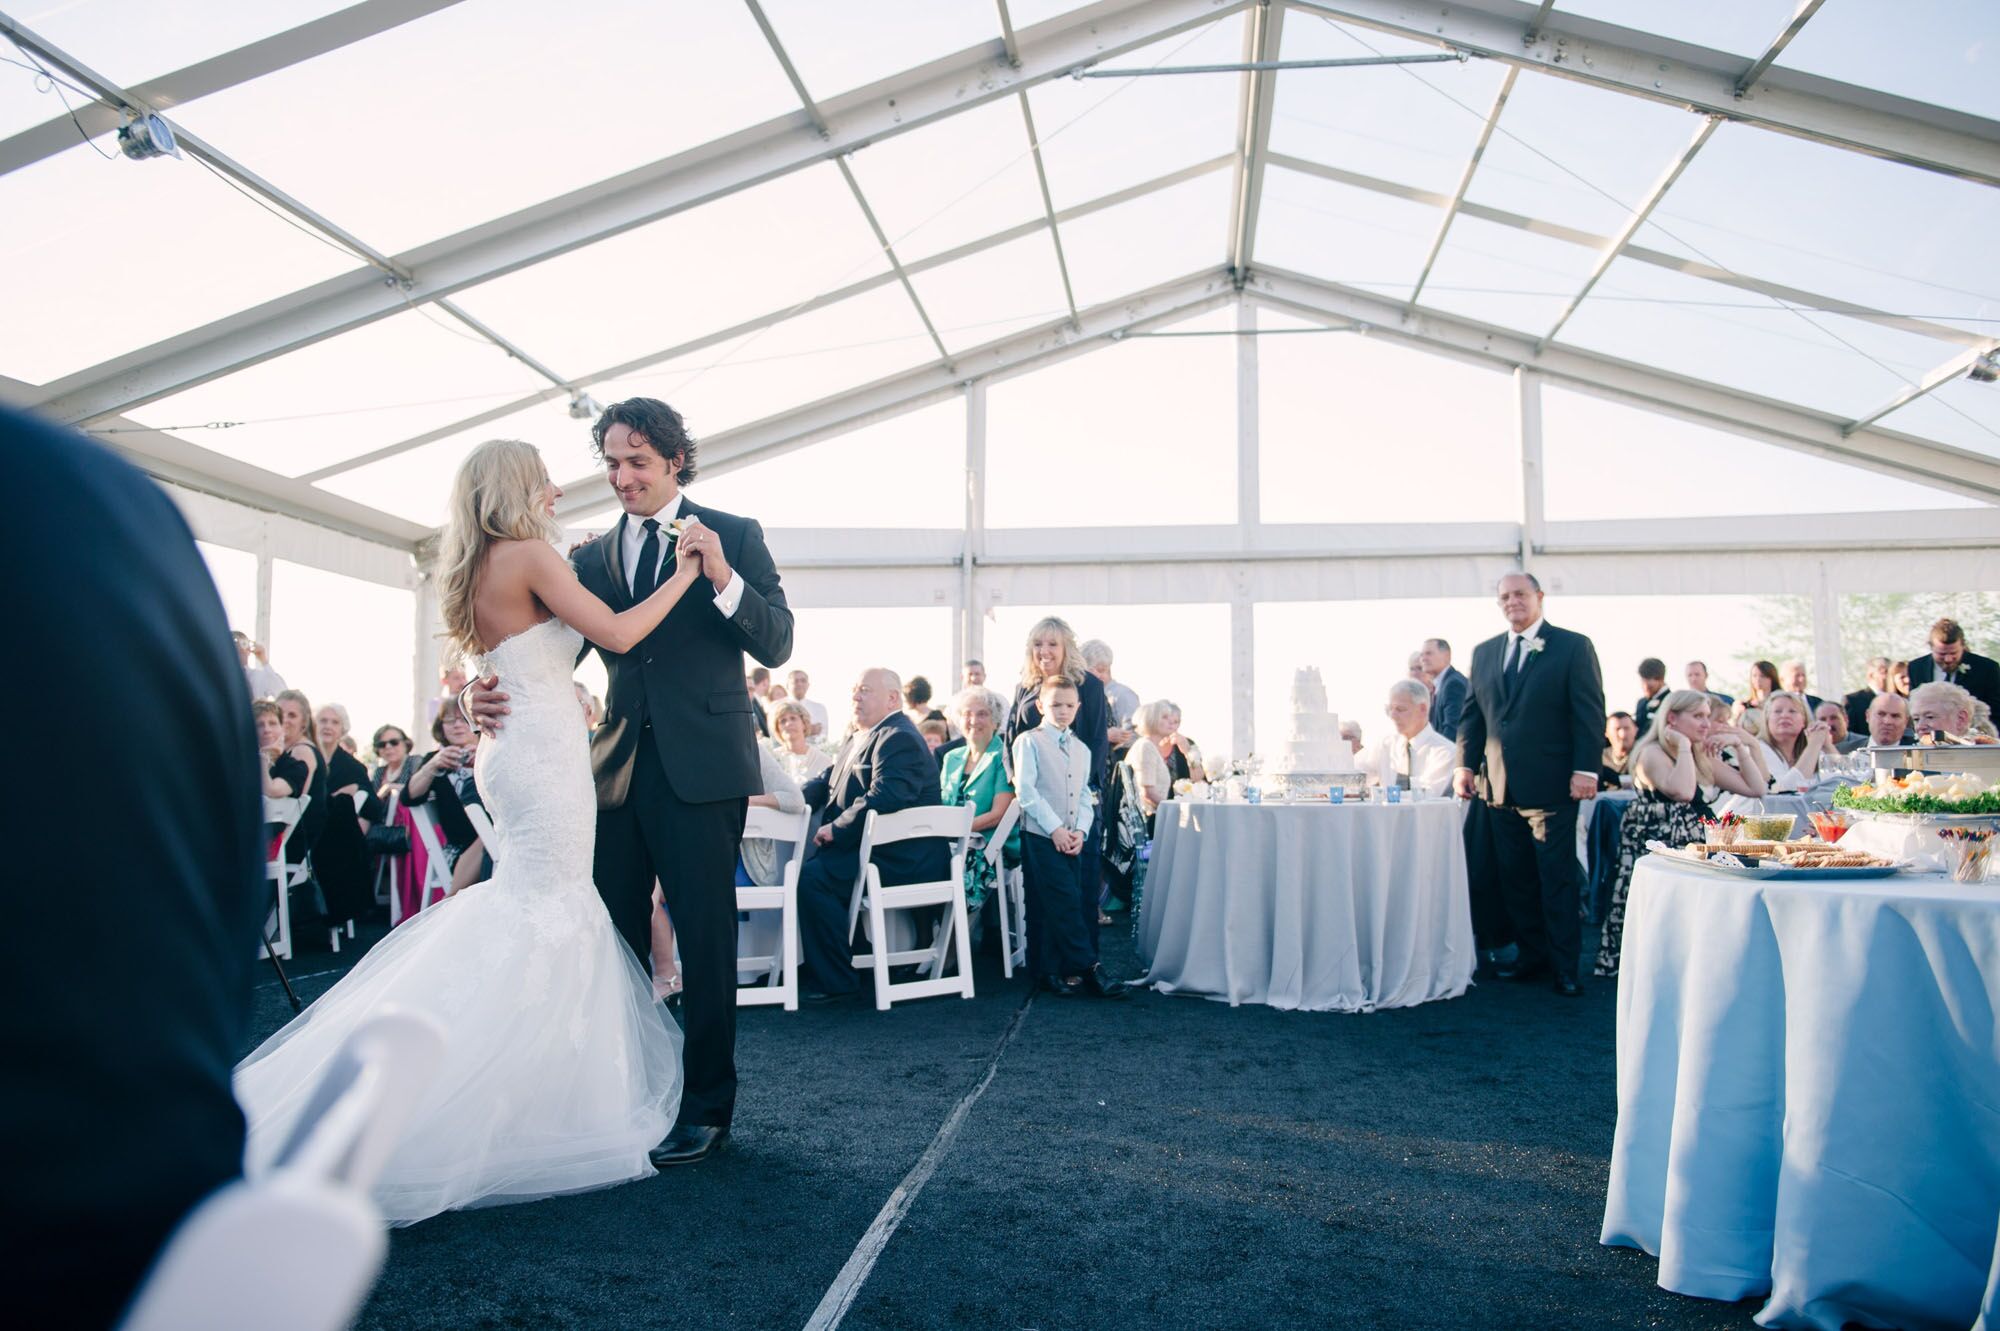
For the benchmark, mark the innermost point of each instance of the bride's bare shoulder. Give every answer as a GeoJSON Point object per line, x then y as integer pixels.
{"type": "Point", "coordinates": [519, 554]}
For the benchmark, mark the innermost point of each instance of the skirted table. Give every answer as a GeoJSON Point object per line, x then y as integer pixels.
{"type": "Point", "coordinates": [1809, 1095]}
{"type": "Point", "coordinates": [1327, 908]}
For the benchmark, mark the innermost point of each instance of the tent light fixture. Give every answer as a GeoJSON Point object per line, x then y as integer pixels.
{"type": "Point", "coordinates": [148, 135]}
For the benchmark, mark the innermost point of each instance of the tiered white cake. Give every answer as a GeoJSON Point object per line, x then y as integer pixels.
{"type": "Point", "coordinates": [1314, 745]}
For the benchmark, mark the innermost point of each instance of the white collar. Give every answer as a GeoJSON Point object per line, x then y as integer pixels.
{"type": "Point", "coordinates": [668, 512]}
{"type": "Point", "coordinates": [1533, 630]}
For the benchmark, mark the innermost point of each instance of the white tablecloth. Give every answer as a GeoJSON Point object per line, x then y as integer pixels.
{"type": "Point", "coordinates": [1341, 908]}
{"type": "Point", "coordinates": [1809, 1094]}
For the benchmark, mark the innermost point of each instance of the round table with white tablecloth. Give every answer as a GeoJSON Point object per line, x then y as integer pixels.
{"type": "Point", "coordinates": [1809, 1094]}
{"type": "Point", "coordinates": [1329, 908]}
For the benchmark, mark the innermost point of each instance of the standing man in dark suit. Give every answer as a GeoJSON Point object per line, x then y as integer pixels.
{"type": "Point", "coordinates": [118, 1092]}
{"type": "Point", "coordinates": [885, 768]}
{"type": "Point", "coordinates": [1951, 662]}
{"type": "Point", "coordinates": [1448, 686]}
{"type": "Point", "coordinates": [675, 758]}
{"type": "Point", "coordinates": [1535, 722]}
{"type": "Point", "coordinates": [1653, 691]}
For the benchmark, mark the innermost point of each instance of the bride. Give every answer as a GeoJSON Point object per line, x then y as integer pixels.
{"type": "Point", "coordinates": [560, 1070]}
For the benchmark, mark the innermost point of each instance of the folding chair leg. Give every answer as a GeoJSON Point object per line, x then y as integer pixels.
{"type": "Point", "coordinates": [1006, 929]}
{"type": "Point", "coordinates": [964, 944]}
{"type": "Point", "coordinates": [788, 945]}
{"type": "Point", "coordinates": [878, 920]}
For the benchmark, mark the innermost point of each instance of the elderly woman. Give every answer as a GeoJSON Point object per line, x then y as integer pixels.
{"type": "Point", "coordinates": [975, 773]}
{"type": "Point", "coordinates": [445, 781]}
{"type": "Point", "coordinates": [1793, 742]}
{"type": "Point", "coordinates": [791, 741]}
{"type": "Point", "coordinates": [1942, 713]}
{"type": "Point", "coordinates": [395, 759]}
{"type": "Point", "coordinates": [1679, 771]}
{"type": "Point", "coordinates": [1149, 776]}
{"type": "Point", "coordinates": [340, 860]}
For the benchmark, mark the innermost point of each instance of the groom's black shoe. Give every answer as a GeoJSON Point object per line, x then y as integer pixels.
{"type": "Point", "coordinates": [688, 1143]}
{"type": "Point", "coordinates": [1100, 985]}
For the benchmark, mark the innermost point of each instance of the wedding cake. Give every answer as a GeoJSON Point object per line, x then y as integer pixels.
{"type": "Point", "coordinates": [1314, 745]}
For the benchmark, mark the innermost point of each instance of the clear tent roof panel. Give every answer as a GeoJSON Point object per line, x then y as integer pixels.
{"type": "Point", "coordinates": [170, 241]}
{"type": "Point", "coordinates": [997, 292]}
{"type": "Point", "coordinates": [787, 364]}
{"type": "Point", "coordinates": [1342, 233]}
{"type": "Point", "coordinates": [837, 49]}
{"type": "Point", "coordinates": [1961, 413]}
{"type": "Point", "coordinates": [758, 252]}
{"type": "Point", "coordinates": [1838, 224]}
{"type": "Point", "coordinates": [1392, 122]}
{"type": "Point", "coordinates": [1146, 241]}
{"type": "Point", "coordinates": [1742, 27]}
{"type": "Point", "coordinates": [1505, 276]}
{"type": "Point", "coordinates": [482, 109]}
{"type": "Point", "coordinates": [1578, 156]}
{"type": "Point", "coordinates": [1940, 51]}
{"type": "Point", "coordinates": [938, 187]}
{"type": "Point", "coordinates": [1102, 135]}
{"type": "Point", "coordinates": [348, 395]}
{"type": "Point", "coordinates": [1689, 326]}
{"type": "Point", "coordinates": [131, 41]}
{"type": "Point", "coordinates": [417, 484]}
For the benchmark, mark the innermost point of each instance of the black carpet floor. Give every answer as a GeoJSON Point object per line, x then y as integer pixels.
{"type": "Point", "coordinates": [1165, 1162]}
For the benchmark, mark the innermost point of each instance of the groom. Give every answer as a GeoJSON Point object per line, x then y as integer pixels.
{"type": "Point", "coordinates": [676, 757]}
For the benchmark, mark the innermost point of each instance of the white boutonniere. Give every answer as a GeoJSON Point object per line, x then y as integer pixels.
{"type": "Point", "coordinates": [1533, 646]}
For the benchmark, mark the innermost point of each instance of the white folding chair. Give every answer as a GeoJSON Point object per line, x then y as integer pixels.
{"type": "Point", "coordinates": [284, 877]}
{"type": "Point", "coordinates": [482, 827]}
{"type": "Point", "coordinates": [1010, 892]}
{"type": "Point", "coordinates": [782, 967]}
{"type": "Point", "coordinates": [953, 821]}
{"type": "Point", "coordinates": [437, 871]}
{"type": "Point", "coordinates": [388, 872]}
{"type": "Point", "coordinates": [299, 1245]}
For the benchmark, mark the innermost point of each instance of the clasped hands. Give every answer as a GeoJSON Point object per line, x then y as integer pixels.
{"type": "Point", "coordinates": [1067, 840]}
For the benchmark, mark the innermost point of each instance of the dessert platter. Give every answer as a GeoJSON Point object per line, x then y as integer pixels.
{"type": "Point", "coordinates": [1314, 756]}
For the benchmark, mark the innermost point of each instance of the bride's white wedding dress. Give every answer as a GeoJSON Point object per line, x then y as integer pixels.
{"type": "Point", "coordinates": [560, 1069]}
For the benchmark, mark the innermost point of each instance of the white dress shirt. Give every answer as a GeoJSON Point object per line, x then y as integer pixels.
{"type": "Point", "coordinates": [634, 536]}
{"type": "Point", "coordinates": [1427, 758]}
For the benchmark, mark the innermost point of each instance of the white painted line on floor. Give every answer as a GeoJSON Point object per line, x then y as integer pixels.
{"type": "Point", "coordinates": [840, 1295]}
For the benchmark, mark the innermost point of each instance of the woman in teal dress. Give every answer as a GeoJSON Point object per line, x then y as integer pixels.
{"type": "Point", "coordinates": [975, 773]}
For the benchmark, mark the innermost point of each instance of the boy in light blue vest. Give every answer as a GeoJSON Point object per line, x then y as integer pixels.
{"type": "Point", "coordinates": [1052, 780]}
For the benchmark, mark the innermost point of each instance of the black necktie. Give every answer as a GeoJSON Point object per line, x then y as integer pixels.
{"type": "Point", "coordinates": [647, 576]}
{"type": "Point", "coordinates": [1515, 651]}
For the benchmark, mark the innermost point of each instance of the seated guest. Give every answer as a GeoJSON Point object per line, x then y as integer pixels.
{"type": "Point", "coordinates": [1448, 686]}
{"type": "Point", "coordinates": [936, 733]}
{"type": "Point", "coordinates": [444, 781]}
{"type": "Point", "coordinates": [1151, 775]}
{"type": "Point", "coordinates": [1792, 674]}
{"type": "Point", "coordinates": [1122, 700]}
{"type": "Point", "coordinates": [1652, 687]}
{"type": "Point", "coordinates": [1621, 732]}
{"type": "Point", "coordinates": [395, 759]}
{"type": "Point", "coordinates": [1950, 663]}
{"type": "Point", "coordinates": [1697, 678]}
{"type": "Point", "coordinates": [758, 684]}
{"type": "Point", "coordinates": [1888, 720]}
{"type": "Point", "coordinates": [758, 861]}
{"type": "Point", "coordinates": [1856, 703]}
{"type": "Point", "coordinates": [1943, 714]}
{"type": "Point", "coordinates": [1415, 756]}
{"type": "Point", "coordinates": [1183, 755]}
{"type": "Point", "coordinates": [451, 683]}
{"type": "Point", "coordinates": [1899, 678]}
{"type": "Point", "coordinates": [791, 731]}
{"type": "Point", "coordinates": [1793, 742]}
{"type": "Point", "coordinates": [1763, 683]}
{"type": "Point", "coordinates": [304, 771]}
{"type": "Point", "coordinates": [1679, 771]}
{"type": "Point", "coordinates": [133, 849]}
{"type": "Point", "coordinates": [593, 710]}
{"type": "Point", "coordinates": [975, 674]}
{"type": "Point", "coordinates": [340, 858]}
{"type": "Point", "coordinates": [975, 773]}
{"type": "Point", "coordinates": [885, 768]}
{"type": "Point", "coordinates": [917, 702]}
{"type": "Point", "coordinates": [1835, 717]}
{"type": "Point", "coordinates": [1351, 732]}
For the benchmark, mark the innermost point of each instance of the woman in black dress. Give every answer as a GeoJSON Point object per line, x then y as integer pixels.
{"type": "Point", "coordinates": [302, 769]}
{"type": "Point", "coordinates": [340, 860]}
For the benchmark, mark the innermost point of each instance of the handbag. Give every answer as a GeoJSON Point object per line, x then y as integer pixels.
{"type": "Point", "coordinates": [393, 839]}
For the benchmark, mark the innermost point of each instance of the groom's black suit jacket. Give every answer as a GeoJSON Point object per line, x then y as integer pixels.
{"type": "Point", "coordinates": [1549, 724]}
{"type": "Point", "coordinates": [686, 676]}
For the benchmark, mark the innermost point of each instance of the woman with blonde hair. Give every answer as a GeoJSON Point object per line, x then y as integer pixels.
{"type": "Point", "coordinates": [561, 1070]}
{"type": "Point", "coordinates": [1792, 742]}
{"type": "Point", "coordinates": [1679, 771]}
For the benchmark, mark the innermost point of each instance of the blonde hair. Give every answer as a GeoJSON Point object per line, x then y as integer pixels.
{"type": "Point", "coordinates": [1072, 666]}
{"type": "Point", "coordinates": [1798, 741]}
{"type": "Point", "coordinates": [496, 496]}
{"type": "Point", "coordinates": [1676, 702]}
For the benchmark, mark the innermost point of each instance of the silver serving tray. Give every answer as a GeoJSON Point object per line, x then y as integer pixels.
{"type": "Point", "coordinates": [1777, 874]}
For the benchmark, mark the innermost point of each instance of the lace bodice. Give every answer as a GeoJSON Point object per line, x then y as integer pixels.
{"type": "Point", "coordinates": [534, 775]}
